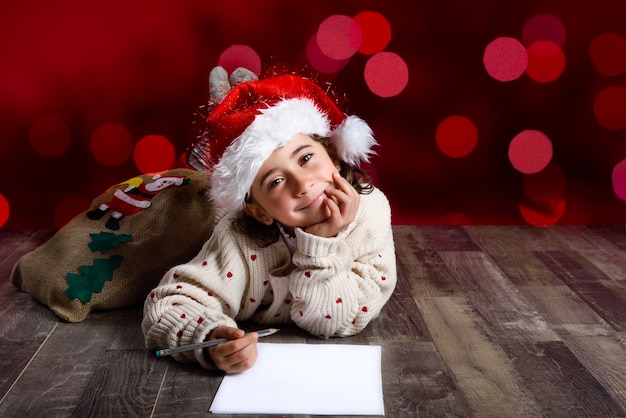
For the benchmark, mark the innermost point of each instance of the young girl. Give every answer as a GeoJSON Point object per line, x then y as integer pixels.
{"type": "Point", "coordinates": [303, 238]}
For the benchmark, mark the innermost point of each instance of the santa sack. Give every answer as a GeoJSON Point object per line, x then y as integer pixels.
{"type": "Point", "coordinates": [112, 255]}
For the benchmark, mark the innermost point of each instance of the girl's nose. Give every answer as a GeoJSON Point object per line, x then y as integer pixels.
{"type": "Point", "coordinates": [302, 184]}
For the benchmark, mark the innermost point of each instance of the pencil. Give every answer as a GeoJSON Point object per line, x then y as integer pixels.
{"type": "Point", "coordinates": [189, 347]}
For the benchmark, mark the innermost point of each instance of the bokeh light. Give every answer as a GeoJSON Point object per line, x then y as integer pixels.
{"type": "Point", "coordinates": [530, 151]}
{"type": "Point", "coordinates": [69, 208]}
{"type": "Point", "coordinates": [608, 53]}
{"type": "Point", "coordinates": [547, 186]}
{"type": "Point", "coordinates": [609, 107]}
{"type": "Point", "coordinates": [505, 59]}
{"type": "Point", "coordinates": [375, 32]}
{"type": "Point", "coordinates": [456, 136]}
{"type": "Point", "coordinates": [546, 61]}
{"type": "Point", "coordinates": [5, 210]}
{"type": "Point", "coordinates": [544, 27]}
{"type": "Point", "coordinates": [320, 61]}
{"type": "Point", "coordinates": [339, 37]}
{"type": "Point", "coordinates": [236, 56]}
{"type": "Point", "coordinates": [49, 136]}
{"type": "Point", "coordinates": [619, 180]}
{"type": "Point", "coordinates": [111, 144]}
{"type": "Point", "coordinates": [154, 153]}
{"type": "Point", "coordinates": [542, 215]}
{"type": "Point", "coordinates": [386, 74]}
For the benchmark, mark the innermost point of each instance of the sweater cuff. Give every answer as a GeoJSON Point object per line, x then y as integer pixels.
{"type": "Point", "coordinates": [316, 246]}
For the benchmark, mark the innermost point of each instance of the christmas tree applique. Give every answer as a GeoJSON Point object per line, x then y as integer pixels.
{"type": "Point", "coordinates": [105, 241]}
{"type": "Point", "coordinates": [91, 279]}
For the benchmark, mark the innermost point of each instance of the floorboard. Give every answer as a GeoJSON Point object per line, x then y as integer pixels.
{"type": "Point", "coordinates": [486, 321]}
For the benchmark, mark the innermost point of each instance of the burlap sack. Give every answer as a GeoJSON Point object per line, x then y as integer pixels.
{"type": "Point", "coordinates": [112, 255]}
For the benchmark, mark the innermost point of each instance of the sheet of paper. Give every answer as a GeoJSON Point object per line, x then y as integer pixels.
{"type": "Point", "coordinates": [318, 379]}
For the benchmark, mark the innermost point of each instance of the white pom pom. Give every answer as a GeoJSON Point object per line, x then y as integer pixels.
{"type": "Point", "coordinates": [354, 140]}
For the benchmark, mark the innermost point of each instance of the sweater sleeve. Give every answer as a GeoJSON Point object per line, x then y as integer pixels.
{"type": "Point", "coordinates": [340, 284]}
{"type": "Point", "coordinates": [194, 298]}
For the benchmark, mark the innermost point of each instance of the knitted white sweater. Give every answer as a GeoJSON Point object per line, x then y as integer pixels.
{"type": "Point", "coordinates": [329, 287]}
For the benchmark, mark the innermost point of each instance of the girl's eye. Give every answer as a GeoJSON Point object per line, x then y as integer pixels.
{"type": "Point", "coordinates": [305, 158]}
{"type": "Point", "coordinates": [274, 183]}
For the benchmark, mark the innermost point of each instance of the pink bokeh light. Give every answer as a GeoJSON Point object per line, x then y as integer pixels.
{"type": "Point", "coordinates": [339, 37]}
{"type": "Point", "coordinates": [240, 56]}
{"type": "Point", "coordinates": [386, 74]}
{"type": "Point", "coordinates": [505, 59]}
{"type": "Point", "coordinates": [544, 27]}
{"type": "Point", "coordinates": [530, 151]}
{"type": "Point", "coordinates": [619, 180]}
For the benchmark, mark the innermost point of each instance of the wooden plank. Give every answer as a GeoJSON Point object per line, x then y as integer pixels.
{"type": "Point", "coordinates": [416, 382]}
{"type": "Point", "coordinates": [560, 382]}
{"type": "Point", "coordinates": [583, 237]}
{"type": "Point", "coordinates": [613, 233]}
{"type": "Point", "coordinates": [597, 246]}
{"type": "Point", "coordinates": [79, 371]}
{"type": "Point", "coordinates": [448, 238]}
{"type": "Point", "coordinates": [496, 299]}
{"type": "Point", "coordinates": [512, 249]}
{"type": "Point", "coordinates": [25, 323]}
{"type": "Point", "coordinates": [605, 296]}
{"type": "Point", "coordinates": [187, 390]}
{"type": "Point", "coordinates": [480, 368]}
{"type": "Point", "coordinates": [420, 266]}
{"type": "Point", "coordinates": [564, 310]}
{"type": "Point", "coordinates": [603, 356]}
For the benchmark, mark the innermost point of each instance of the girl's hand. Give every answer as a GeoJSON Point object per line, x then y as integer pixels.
{"type": "Point", "coordinates": [342, 203]}
{"type": "Point", "coordinates": [237, 355]}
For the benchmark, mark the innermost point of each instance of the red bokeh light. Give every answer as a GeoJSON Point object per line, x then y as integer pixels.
{"type": "Point", "coordinates": [5, 210]}
{"type": "Point", "coordinates": [609, 108]}
{"type": "Point", "coordinates": [608, 53]}
{"type": "Point", "coordinates": [456, 136]}
{"type": "Point", "coordinates": [505, 59]}
{"type": "Point", "coordinates": [542, 215]}
{"type": "Point", "coordinates": [386, 74]}
{"type": "Point", "coordinates": [546, 187]}
{"type": "Point", "coordinates": [375, 30]}
{"type": "Point", "coordinates": [546, 61]}
{"type": "Point", "coordinates": [111, 144]}
{"type": "Point", "coordinates": [50, 136]}
{"type": "Point", "coordinates": [153, 154]}
{"type": "Point", "coordinates": [69, 208]}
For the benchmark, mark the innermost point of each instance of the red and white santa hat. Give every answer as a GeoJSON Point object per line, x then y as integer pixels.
{"type": "Point", "coordinates": [255, 118]}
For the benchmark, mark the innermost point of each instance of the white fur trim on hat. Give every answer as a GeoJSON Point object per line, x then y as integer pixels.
{"type": "Point", "coordinates": [272, 128]}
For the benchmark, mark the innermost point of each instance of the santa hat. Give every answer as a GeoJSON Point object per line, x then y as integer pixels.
{"type": "Point", "coordinates": [257, 117]}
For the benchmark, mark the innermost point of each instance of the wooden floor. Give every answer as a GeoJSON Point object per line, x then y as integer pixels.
{"type": "Point", "coordinates": [487, 321]}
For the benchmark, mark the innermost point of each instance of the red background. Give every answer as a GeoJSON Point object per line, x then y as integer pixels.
{"type": "Point", "coordinates": [144, 64]}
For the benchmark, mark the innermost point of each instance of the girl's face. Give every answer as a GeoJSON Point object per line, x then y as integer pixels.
{"type": "Point", "coordinates": [290, 186]}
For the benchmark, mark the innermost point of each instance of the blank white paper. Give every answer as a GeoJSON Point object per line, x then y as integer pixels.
{"type": "Point", "coordinates": [321, 379]}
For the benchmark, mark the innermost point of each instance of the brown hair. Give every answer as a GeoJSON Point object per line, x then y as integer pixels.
{"type": "Point", "coordinates": [265, 235]}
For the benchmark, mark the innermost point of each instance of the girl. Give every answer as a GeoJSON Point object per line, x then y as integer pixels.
{"type": "Point", "coordinates": [303, 238]}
